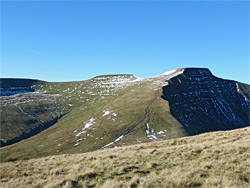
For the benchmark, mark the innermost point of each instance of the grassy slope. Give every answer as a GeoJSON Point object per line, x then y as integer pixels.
{"type": "Point", "coordinates": [216, 159]}
{"type": "Point", "coordinates": [129, 103]}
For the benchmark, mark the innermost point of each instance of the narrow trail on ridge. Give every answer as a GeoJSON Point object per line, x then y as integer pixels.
{"type": "Point", "coordinates": [147, 115]}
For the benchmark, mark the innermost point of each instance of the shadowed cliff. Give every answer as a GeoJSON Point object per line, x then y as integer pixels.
{"type": "Point", "coordinates": [202, 102]}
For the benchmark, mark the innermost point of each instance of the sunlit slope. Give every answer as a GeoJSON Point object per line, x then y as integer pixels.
{"type": "Point", "coordinates": [216, 159]}
{"type": "Point", "coordinates": [100, 120]}
{"type": "Point", "coordinates": [29, 106]}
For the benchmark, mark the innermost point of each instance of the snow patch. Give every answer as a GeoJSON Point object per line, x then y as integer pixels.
{"type": "Point", "coordinates": [119, 138]}
{"type": "Point", "coordinates": [88, 124]}
{"type": "Point", "coordinates": [152, 137]}
{"type": "Point", "coordinates": [160, 132]}
{"type": "Point", "coordinates": [80, 139]}
{"type": "Point", "coordinates": [169, 72]}
{"type": "Point", "coordinates": [80, 133]}
{"type": "Point", "coordinates": [238, 89]}
{"type": "Point", "coordinates": [76, 144]}
{"type": "Point", "coordinates": [106, 112]}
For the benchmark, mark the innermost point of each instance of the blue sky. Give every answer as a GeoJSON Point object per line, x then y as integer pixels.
{"type": "Point", "coordinates": [71, 41]}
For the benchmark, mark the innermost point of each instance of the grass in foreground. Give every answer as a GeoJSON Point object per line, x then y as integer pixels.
{"type": "Point", "coordinates": [218, 159]}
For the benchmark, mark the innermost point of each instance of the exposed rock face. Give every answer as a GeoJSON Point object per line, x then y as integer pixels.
{"type": "Point", "coordinates": [12, 86]}
{"type": "Point", "coordinates": [202, 102]}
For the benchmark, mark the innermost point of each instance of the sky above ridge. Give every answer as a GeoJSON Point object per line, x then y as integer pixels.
{"type": "Point", "coordinates": [73, 41]}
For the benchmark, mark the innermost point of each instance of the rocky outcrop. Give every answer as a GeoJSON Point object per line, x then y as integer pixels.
{"type": "Point", "coordinates": [12, 86]}
{"type": "Point", "coordinates": [202, 102]}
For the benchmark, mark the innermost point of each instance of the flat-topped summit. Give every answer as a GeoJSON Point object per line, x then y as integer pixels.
{"type": "Point", "coordinates": [115, 75]}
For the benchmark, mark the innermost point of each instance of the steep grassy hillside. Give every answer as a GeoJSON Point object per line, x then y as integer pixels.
{"type": "Point", "coordinates": [101, 110]}
{"type": "Point", "coordinates": [216, 159]}
{"type": "Point", "coordinates": [111, 110]}
{"type": "Point", "coordinates": [44, 103]}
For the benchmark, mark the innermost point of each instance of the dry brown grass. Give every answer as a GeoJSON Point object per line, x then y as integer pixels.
{"type": "Point", "coordinates": [218, 159]}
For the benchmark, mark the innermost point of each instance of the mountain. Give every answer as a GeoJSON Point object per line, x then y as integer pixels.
{"type": "Point", "coordinates": [116, 110]}
{"type": "Point", "coordinates": [202, 102]}
{"type": "Point", "coordinates": [215, 159]}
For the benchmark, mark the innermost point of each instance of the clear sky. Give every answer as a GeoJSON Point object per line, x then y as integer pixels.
{"type": "Point", "coordinates": [73, 41]}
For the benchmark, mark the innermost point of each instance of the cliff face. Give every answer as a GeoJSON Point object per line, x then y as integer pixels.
{"type": "Point", "coordinates": [12, 86]}
{"type": "Point", "coordinates": [202, 102]}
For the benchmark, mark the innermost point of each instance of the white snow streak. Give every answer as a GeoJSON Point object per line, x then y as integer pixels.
{"type": "Point", "coordinates": [119, 138]}
{"type": "Point", "coordinates": [106, 112]}
{"type": "Point", "coordinates": [88, 124]}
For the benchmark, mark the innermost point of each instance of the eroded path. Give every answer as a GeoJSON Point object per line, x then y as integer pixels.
{"type": "Point", "coordinates": [147, 115]}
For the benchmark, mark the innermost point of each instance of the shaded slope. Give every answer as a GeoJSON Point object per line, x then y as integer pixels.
{"type": "Point", "coordinates": [11, 86]}
{"type": "Point", "coordinates": [25, 115]}
{"type": "Point", "coordinates": [202, 102]}
{"type": "Point", "coordinates": [26, 111]}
